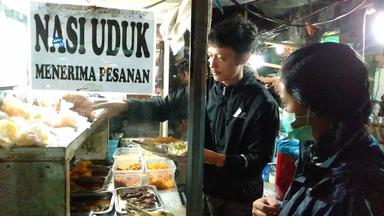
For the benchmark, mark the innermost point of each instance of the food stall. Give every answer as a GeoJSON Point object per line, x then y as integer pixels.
{"type": "Point", "coordinates": [41, 177]}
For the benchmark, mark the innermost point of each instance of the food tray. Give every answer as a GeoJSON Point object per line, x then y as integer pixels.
{"type": "Point", "coordinates": [96, 183]}
{"type": "Point", "coordinates": [88, 184]}
{"type": "Point", "coordinates": [120, 202]}
{"type": "Point", "coordinates": [79, 203]}
{"type": "Point", "coordinates": [126, 142]}
{"type": "Point", "coordinates": [91, 169]}
{"type": "Point", "coordinates": [163, 149]}
{"type": "Point", "coordinates": [105, 163]}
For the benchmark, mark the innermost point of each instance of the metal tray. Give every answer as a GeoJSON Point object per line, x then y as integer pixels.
{"type": "Point", "coordinates": [98, 169]}
{"type": "Point", "coordinates": [89, 184]}
{"type": "Point", "coordinates": [77, 198]}
{"type": "Point", "coordinates": [126, 142]}
{"type": "Point", "coordinates": [159, 149]}
{"type": "Point", "coordinates": [105, 163]}
{"type": "Point", "coordinates": [120, 203]}
{"type": "Point", "coordinates": [101, 171]}
{"type": "Point", "coordinates": [95, 183]}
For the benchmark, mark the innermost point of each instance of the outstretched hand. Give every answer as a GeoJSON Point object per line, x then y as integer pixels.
{"type": "Point", "coordinates": [85, 106]}
{"type": "Point", "coordinates": [265, 206]}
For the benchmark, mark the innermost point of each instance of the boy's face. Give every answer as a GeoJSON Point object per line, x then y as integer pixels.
{"type": "Point", "coordinates": [225, 65]}
{"type": "Point", "coordinates": [183, 77]}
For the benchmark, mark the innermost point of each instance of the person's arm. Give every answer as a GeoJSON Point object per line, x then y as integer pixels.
{"type": "Point", "coordinates": [157, 109]}
{"type": "Point", "coordinates": [154, 109]}
{"type": "Point", "coordinates": [213, 158]}
{"type": "Point", "coordinates": [85, 105]}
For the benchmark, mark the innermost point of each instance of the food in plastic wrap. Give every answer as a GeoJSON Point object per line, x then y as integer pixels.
{"type": "Point", "coordinates": [19, 132]}
{"type": "Point", "coordinates": [57, 115]}
{"type": "Point", "coordinates": [34, 133]}
{"type": "Point", "coordinates": [8, 133]}
{"type": "Point", "coordinates": [13, 106]}
{"type": "Point", "coordinates": [68, 118]}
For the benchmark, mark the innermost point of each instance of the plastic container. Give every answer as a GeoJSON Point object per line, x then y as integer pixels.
{"type": "Point", "coordinates": [161, 173]}
{"type": "Point", "coordinates": [128, 173]}
{"type": "Point", "coordinates": [133, 152]}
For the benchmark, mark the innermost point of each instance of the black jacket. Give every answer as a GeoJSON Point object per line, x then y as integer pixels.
{"type": "Point", "coordinates": [243, 121]}
{"type": "Point", "coordinates": [343, 175]}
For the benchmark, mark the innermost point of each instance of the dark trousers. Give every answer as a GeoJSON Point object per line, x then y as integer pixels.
{"type": "Point", "coordinates": [219, 207]}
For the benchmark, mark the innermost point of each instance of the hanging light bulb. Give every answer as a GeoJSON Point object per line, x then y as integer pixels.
{"type": "Point", "coordinates": [378, 27]}
{"type": "Point", "coordinates": [256, 61]}
{"type": "Point", "coordinates": [279, 49]}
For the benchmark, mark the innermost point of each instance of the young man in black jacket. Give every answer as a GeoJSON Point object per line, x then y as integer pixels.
{"type": "Point", "coordinates": [243, 122]}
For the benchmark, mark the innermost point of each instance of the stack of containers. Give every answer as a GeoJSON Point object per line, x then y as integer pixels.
{"type": "Point", "coordinates": [128, 167]}
{"type": "Point", "coordinates": [128, 172]}
{"type": "Point", "coordinates": [132, 168]}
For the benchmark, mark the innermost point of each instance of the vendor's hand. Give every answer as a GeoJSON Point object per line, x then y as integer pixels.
{"type": "Point", "coordinates": [265, 206]}
{"type": "Point", "coordinates": [81, 105]}
{"type": "Point", "coordinates": [85, 106]}
{"type": "Point", "coordinates": [213, 158]}
{"type": "Point", "coordinates": [112, 108]}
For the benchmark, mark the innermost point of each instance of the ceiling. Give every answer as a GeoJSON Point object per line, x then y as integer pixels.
{"type": "Point", "coordinates": [287, 10]}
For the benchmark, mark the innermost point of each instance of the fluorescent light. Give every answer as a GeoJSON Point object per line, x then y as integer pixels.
{"type": "Point", "coordinates": [378, 27]}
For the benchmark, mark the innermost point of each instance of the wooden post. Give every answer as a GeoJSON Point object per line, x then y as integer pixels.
{"type": "Point", "coordinates": [200, 24]}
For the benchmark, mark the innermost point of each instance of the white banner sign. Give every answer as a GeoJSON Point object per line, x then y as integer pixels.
{"type": "Point", "coordinates": [89, 48]}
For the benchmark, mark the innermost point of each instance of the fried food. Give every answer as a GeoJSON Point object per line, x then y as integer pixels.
{"type": "Point", "coordinates": [164, 140]}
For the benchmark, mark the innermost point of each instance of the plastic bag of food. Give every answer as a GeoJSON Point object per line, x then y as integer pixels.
{"type": "Point", "coordinates": [34, 133]}
{"type": "Point", "coordinates": [8, 133]}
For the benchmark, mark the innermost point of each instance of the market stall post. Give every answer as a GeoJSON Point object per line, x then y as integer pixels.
{"type": "Point", "coordinates": [200, 20]}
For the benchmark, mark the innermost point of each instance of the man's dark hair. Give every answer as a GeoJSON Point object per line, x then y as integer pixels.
{"type": "Point", "coordinates": [331, 80]}
{"type": "Point", "coordinates": [182, 65]}
{"type": "Point", "coordinates": [236, 33]}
